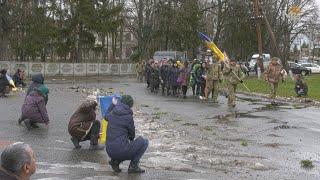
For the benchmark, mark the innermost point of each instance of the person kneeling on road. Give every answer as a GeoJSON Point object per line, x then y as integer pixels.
{"type": "Point", "coordinates": [301, 87]}
{"type": "Point", "coordinates": [121, 144]}
{"type": "Point", "coordinates": [83, 126]}
{"type": "Point", "coordinates": [34, 108]}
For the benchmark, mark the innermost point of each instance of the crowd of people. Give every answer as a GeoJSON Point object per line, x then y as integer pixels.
{"type": "Point", "coordinates": [174, 78]}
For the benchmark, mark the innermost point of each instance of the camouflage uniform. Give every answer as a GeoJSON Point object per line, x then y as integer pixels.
{"type": "Point", "coordinates": [273, 75]}
{"type": "Point", "coordinates": [140, 71]}
{"type": "Point", "coordinates": [213, 77]}
{"type": "Point", "coordinates": [231, 73]}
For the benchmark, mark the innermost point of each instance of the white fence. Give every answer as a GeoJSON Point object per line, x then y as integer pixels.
{"type": "Point", "coordinates": [68, 69]}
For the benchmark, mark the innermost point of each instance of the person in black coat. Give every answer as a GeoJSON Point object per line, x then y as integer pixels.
{"type": "Point", "coordinates": [173, 77]}
{"type": "Point", "coordinates": [4, 83]}
{"type": "Point", "coordinates": [148, 72]}
{"type": "Point", "coordinates": [200, 80]}
{"type": "Point", "coordinates": [18, 78]}
{"type": "Point", "coordinates": [155, 77]}
{"type": "Point", "coordinates": [121, 144]}
{"type": "Point", "coordinates": [164, 71]}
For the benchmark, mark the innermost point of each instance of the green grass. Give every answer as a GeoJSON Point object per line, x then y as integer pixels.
{"type": "Point", "coordinates": [306, 163]}
{"type": "Point", "coordinates": [285, 89]}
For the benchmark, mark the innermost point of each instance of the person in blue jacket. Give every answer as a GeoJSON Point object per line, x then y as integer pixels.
{"type": "Point", "coordinates": [121, 144]}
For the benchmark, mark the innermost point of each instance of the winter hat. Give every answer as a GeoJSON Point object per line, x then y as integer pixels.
{"type": "Point", "coordinates": [127, 99]}
{"type": "Point", "coordinates": [43, 90]}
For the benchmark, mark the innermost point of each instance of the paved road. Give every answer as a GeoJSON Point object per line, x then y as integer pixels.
{"type": "Point", "coordinates": [189, 139]}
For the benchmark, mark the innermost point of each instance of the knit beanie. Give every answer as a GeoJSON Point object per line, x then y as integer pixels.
{"type": "Point", "coordinates": [127, 99]}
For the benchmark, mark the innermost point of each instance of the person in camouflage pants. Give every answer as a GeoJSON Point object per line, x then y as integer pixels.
{"type": "Point", "coordinates": [273, 75]}
{"type": "Point", "coordinates": [213, 78]}
{"type": "Point", "coordinates": [233, 76]}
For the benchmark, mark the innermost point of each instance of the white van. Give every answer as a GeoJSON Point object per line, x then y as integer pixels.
{"type": "Point", "coordinates": [266, 60]}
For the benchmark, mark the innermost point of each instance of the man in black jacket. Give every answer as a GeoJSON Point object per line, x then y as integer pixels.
{"type": "Point", "coordinates": [4, 83]}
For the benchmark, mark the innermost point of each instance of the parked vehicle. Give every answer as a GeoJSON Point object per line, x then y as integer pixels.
{"type": "Point", "coordinates": [253, 61]}
{"type": "Point", "coordinates": [314, 68]}
{"type": "Point", "coordinates": [298, 69]}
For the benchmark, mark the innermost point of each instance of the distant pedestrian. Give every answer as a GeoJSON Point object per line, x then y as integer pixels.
{"type": "Point", "coordinates": [4, 83]}
{"type": "Point", "coordinates": [200, 74]}
{"type": "Point", "coordinates": [155, 77]}
{"type": "Point", "coordinates": [193, 79]}
{"type": "Point", "coordinates": [18, 78]}
{"type": "Point", "coordinates": [233, 76]}
{"type": "Point", "coordinates": [164, 76]}
{"type": "Point", "coordinates": [301, 87]}
{"type": "Point", "coordinates": [140, 71]}
{"type": "Point", "coordinates": [173, 77]}
{"type": "Point", "coordinates": [17, 162]}
{"type": "Point", "coordinates": [121, 143]}
{"type": "Point", "coordinates": [273, 75]}
{"type": "Point", "coordinates": [213, 78]}
{"type": "Point", "coordinates": [34, 108]}
{"type": "Point", "coordinates": [83, 125]}
{"type": "Point", "coordinates": [184, 79]}
{"type": "Point", "coordinates": [148, 69]}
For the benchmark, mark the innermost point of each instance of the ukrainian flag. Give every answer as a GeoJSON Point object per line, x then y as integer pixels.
{"type": "Point", "coordinates": [213, 47]}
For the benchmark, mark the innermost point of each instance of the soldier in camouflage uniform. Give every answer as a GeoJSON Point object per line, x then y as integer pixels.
{"type": "Point", "coordinates": [273, 75]}
{"type": "Point", "coordinates": [233, 75]}
{"type": "Point", "coordinates": [140, 70]}
{"type": "Point", "coordinates": [213, 78]}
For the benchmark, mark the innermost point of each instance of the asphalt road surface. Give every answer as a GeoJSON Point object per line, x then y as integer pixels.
{"type": "Point", "coordinates": [189, 139]}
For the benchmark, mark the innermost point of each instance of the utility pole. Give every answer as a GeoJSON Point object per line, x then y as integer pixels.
{"type": "Point", "coordinates": [258, 18]}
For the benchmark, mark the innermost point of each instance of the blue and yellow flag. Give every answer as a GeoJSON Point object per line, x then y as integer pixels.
{"type": "Point", "coordinates": [213, 47]}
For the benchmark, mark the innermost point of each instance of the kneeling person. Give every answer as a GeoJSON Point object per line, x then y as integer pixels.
{"type": "Point", "coordinates": [83, 126]}
{"type": "Point", "coordinates": [34, 108]}
{"type": "Point", "coordinates": [301, 87]}
{"type": "Point", "coordinates": [121, 144]}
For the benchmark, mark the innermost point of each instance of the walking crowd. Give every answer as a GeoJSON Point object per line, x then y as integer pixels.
{"type": "Point", "coordinates": [173, 78]}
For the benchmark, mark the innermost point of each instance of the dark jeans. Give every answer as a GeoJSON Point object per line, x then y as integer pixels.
{"type": "Point", "coordinates": [200, 89]}
{"type": "Point", "coordinates": [184, 90]}
{"type": "Point", "coordinates": [174, 89]}
{"type": "Point", "coordinates": [136, 158]}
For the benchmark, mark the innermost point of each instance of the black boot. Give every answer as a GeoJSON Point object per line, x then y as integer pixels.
{"type": "Point", "coordinates": [115, 165]}
{"type": "Point", "coordinates": [34, 125]}
{"type": "Point", "coordinates": [75, 142]}
{"type": "Point", "coordinates": [134, 168]}
{"type": "Point", "coordinates": [28, 124]}
{"type": "Point", "coordinates": [20, 121]}
{"type": "Point", "coordinates": [94, 143]}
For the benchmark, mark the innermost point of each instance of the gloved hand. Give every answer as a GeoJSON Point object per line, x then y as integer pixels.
{"type": "Point", "coordinates": [241, 81]}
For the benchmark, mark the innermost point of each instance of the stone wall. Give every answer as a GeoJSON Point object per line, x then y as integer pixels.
{"type": "Point", "coordinates": [68, 69]}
